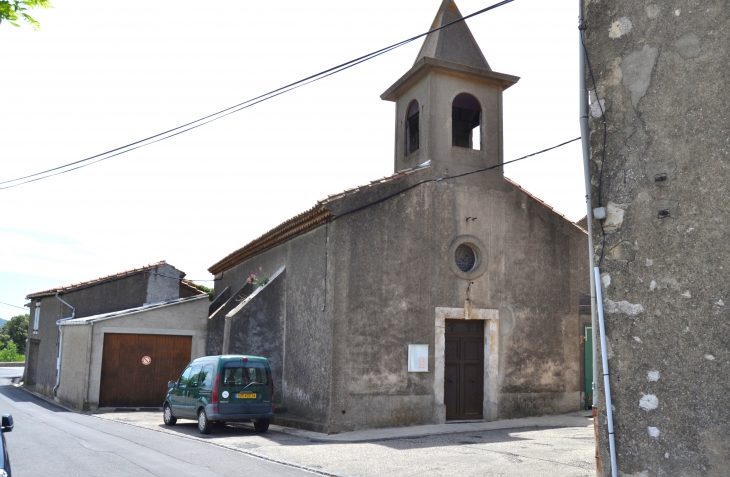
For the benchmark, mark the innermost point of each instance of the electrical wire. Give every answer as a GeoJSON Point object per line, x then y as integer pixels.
{"type": "Point", "coordinates": [440, 179]}
{"type": "Point", "coordinates": [230, 110]}
{"type": "Point", "coordinates": [14, 306]}
{"type": "Point", "coordinates": [603, 149]}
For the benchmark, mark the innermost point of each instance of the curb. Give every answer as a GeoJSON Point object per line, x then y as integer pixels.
{"type": "Point", "coordinates": [256, 455]}
{"type": "Point", "coordinates": [47, 399]}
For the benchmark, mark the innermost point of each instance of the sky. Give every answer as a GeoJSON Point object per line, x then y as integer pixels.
{"type": "Point", "coordinates": [99, 75]}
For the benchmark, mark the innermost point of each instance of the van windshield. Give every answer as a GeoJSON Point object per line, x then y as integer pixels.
{"type": "Point", "coordinates": [244, 374]}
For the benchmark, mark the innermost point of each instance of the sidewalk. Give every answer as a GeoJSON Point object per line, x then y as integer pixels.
{"type": "Point", "coordinates": [573, 419]}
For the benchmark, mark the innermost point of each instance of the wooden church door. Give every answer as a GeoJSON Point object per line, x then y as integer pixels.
{"type": "Point", "coordinates": [464, 369]}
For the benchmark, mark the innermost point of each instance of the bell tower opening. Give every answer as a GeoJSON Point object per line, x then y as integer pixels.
{"type": "Point", "coordinates": [466, 120]}
{"type": "Point", "coordinates": [412, 127]}
{"type": "Point", "coordinates": [448, 106]}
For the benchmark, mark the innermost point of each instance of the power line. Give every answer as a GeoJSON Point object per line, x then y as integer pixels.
{"type": "Point", "coordinates": [230, 110]}
{"type": "Point", "coordinates": [440, 179]}
{"type": "Point", "coordinates": [14, 306]}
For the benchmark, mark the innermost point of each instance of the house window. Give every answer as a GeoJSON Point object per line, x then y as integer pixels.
{"type": "Point", "coordinates": [412, 128]}
{"type": "Point", "coordinates": [466, 115]}
{"type": "Point", "coordinates": [37, 316]}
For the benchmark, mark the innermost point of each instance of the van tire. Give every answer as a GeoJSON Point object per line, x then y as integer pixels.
{"type": "Point", "coordinates": [262, 425]}
{"type": "Point", "coordinates": [167, 416]}
{"type": "Point", "coordinates": [204, 425]}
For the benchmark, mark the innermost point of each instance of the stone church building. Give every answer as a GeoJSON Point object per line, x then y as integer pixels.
{"type": "Point", "coordinates": [443, 292]}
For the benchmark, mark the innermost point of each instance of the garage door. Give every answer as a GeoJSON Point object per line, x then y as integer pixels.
{"type": "Point", "coordinates": [135, 368]}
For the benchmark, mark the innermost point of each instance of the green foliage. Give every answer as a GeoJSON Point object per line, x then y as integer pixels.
{"type": "Point", "coordinates": [16, 331]}
{"type": "Point", "coordinates": [9, 354]}
{"type": "Point", "coordinates": [14, 10]}
{"type": "Point", "coordinates": [202, 288]}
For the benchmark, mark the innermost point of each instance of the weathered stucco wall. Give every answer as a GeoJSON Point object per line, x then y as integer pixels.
{"type": "Point", "coordinates": [258, 328]}
{"type": "Point", "coordinates": [47, 339]}
{"type": "Point", "coordinates": [74, 366]}
{"type": "Point", "coordinates": [117, 294]}
{"type": "Point", "coordinates": [297, 303]}
{"type": "Point", "coordinates": [393, 268]}
{"type": "Point", "coordinates": [662, 74]}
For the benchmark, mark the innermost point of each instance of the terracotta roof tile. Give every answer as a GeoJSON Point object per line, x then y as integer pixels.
{"type": "Point", "coordinates": [95, 281]}
{"type": "Point", "coordinates": [299, 224]}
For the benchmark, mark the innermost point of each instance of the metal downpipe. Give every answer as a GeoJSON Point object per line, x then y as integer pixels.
{"type": "Point", "coordinates": [594, 279]}
{"type": "Point", "coordinates": [606, 383]}
{"type": "Point", "coordinates": [60, 341]}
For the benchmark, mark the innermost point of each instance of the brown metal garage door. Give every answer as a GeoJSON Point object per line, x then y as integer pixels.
{"type": "Point", "coordinates": [127, 382]}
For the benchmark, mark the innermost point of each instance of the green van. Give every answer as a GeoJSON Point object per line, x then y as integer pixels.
{"type": "Point", "coordinates": [218, 389]}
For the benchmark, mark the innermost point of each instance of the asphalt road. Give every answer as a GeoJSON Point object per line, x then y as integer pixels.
{"type": "Point", "coordinates": [10, 373]}
{"type": "Point", "coordinates": [48, 440]}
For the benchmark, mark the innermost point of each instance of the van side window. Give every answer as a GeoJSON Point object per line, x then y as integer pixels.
{"type": "Point", "coordinates": [182, 383]}
{"type": "Point", "coordinates": [206, 377]}
{"type": "Point", "coordinates": [193, 381]}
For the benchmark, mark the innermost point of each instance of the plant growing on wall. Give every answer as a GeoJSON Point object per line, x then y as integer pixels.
{"type": "Point", "coordinates": [259, 280]}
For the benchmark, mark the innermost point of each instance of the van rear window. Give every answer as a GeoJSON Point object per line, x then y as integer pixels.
{"type": "Point", "coordinates": [243, 374]}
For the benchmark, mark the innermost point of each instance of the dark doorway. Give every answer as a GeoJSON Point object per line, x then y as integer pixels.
{"type": "Point", "coordinates": [464, 369]}
{"type": "Point", "coordinates": [135, 368]}
{"type": "Point", "coordinates": [32, 362]}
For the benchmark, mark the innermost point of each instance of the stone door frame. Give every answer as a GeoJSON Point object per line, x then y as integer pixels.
{"type": "Point", "coordinates": [491, 357]}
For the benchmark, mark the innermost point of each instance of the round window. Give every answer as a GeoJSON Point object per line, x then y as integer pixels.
{"type": "Point", "coordinates": [465, 258]}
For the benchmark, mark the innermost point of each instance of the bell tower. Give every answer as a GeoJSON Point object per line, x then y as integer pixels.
{"type": "Point", "coordinates": [449, 104]}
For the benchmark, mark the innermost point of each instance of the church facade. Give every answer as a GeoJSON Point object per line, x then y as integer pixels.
{"type": "Point", "coordinates": [442, 292]}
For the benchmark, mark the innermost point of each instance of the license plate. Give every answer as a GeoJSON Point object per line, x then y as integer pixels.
{"type": "Point", "coordinates": [246, 395]}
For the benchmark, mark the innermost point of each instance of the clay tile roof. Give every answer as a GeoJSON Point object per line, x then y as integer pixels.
{"type": "Point", "coordinates": [540, 201]}
{"type": "Point", "coordinates": [299, 224]}
{"type": "Point", "coordinates": [96, 281]}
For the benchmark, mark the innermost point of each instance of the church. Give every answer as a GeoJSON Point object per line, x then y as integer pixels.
{"type": "Point", "coordinates": [444, 292]}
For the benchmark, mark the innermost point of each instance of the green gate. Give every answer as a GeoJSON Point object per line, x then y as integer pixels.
{"type": "Point", "coordinates": [588, 365]}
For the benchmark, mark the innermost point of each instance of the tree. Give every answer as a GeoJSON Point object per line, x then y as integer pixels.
{"type": "Point", "coordinates": [14, 10]}
{"type": "Point", "coordinates": [16, 331]}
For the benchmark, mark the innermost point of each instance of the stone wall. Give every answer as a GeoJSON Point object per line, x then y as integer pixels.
{"type": "Point", "coordinates": [662, 75]}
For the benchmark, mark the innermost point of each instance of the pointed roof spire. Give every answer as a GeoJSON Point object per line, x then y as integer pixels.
{"type": "Point", "coordinates": [454, 43]}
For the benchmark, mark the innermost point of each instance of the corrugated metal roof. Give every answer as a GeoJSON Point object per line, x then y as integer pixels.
{"type": "Point", "coordinates": [95, 281]}
{"type": "Point", "coordinates": [130, 311]}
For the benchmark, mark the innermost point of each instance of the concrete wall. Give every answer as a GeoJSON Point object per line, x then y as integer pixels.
{"type": "Point", "coordinates": [114, 295]}
{"type": "Point", "coordinates": [75, 366]}
{"type": "Point", "coordinates": [186, 318]}
{"type": "Point", "coordinates": [47, 339]}
{"type": "Point", "coordinates": [662, 74]}
{"type": "Point", "coordinates": [393, 268]}
{"type": "Point", "coordinates": [258, 329]}
{"type": "Point", "coordinates": [295, 300]}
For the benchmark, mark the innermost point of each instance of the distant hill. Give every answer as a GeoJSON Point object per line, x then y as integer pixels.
{"type": "Point", "coordinates": [2, 322]}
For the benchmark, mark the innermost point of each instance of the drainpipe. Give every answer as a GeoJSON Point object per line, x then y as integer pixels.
{"type": "Point", "coordinates": [585, 142]}
{"type": "Point", "coordinates": [606, 384]}
{"type": "Point", "coordinates": [595, 277]}
{"type": "Point", "coordinates": [60, 341]}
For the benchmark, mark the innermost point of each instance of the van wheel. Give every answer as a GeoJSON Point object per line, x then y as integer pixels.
{"type": "Point", "coordinates": [167, 416]}
{"type": "Point", "coordinates": [204, 425]}
{"type": "Point", "coordinates": [262, 425]}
